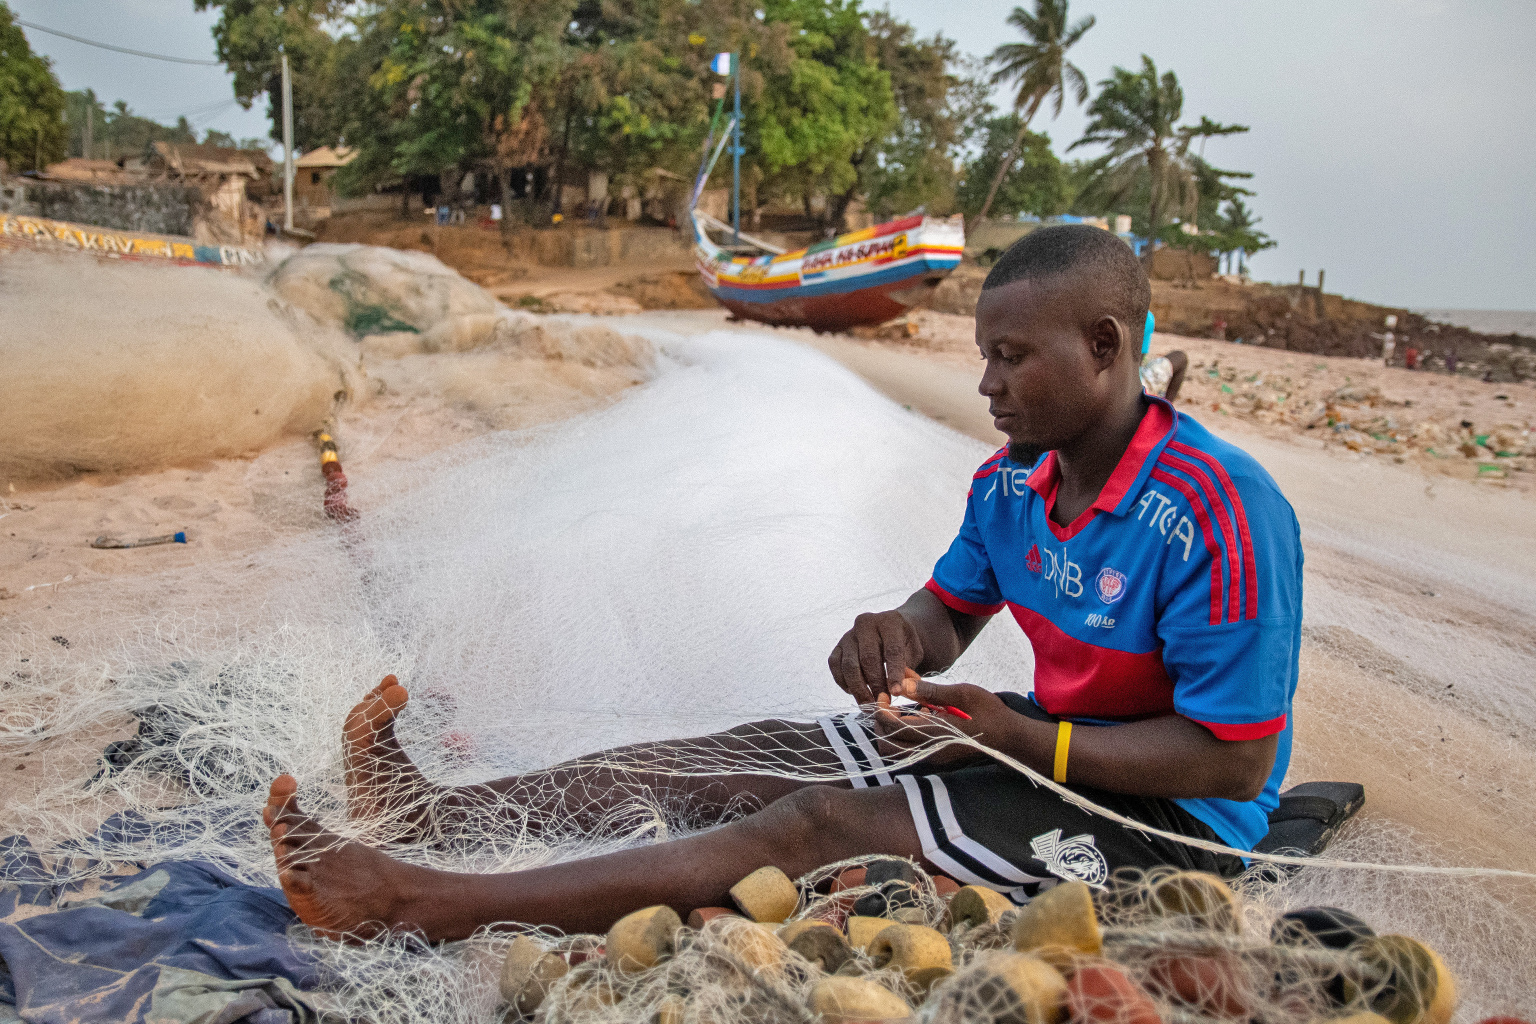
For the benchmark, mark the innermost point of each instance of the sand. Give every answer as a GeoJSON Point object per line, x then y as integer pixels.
{"type": "Point", "coordinates": [1421, 636]}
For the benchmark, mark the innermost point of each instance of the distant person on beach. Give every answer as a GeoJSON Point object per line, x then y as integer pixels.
{"type": "Point", "coordinates": [1155, 568]}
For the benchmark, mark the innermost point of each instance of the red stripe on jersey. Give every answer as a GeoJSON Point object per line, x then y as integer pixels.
{"type": "Point", "coordinates": [985, 471]}
{"type": "Point", "coordinates": [1208, 488]}
{"type": "Point", "coordinates": [1155, 425]}
{"type": "Point", "coordinates": [1218, 591]}
{"type": "Point", "coordinates": [1244, 730]}
{"type": "Point", "coordinates": [960, 604]}
{"type": "Point", "coordinates": [1040, 479]}
{"type": "Point", "coordinates": [1080, 679]}
{"type": "Point", "coordinates": [1251, 574]}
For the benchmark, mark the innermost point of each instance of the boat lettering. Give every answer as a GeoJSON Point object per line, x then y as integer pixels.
{"type": "Point", "coordinates": [894, 247]}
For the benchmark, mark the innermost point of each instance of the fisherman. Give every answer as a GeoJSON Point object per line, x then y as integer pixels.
{"type": "Point", "coordinates": [1155, 568]}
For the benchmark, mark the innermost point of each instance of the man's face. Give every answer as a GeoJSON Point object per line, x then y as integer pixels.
{"type": "Point", "coordinates": [1046, 381]}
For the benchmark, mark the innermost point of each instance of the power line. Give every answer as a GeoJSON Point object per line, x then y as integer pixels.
{"type": "Point", "coordinates": [119, 49]}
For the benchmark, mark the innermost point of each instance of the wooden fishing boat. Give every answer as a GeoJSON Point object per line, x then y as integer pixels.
{"type": "Point", "coordinates": [859, 278]}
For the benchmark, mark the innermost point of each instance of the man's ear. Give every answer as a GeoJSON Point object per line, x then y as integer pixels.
{"type": "Point", "coordinates": [1107, 339]}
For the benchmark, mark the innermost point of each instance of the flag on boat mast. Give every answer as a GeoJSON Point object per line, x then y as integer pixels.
{"type": "Point", "coordinates": [721, 65]}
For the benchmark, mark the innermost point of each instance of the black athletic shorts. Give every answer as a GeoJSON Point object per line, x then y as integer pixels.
{"type": "Point", "coordinates": [989, 825]}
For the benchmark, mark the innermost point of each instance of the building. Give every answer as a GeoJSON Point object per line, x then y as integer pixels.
{"type": "Point", "coordinates": [313, 190]}
{"type": "Point", "coordinates": [233, 183]}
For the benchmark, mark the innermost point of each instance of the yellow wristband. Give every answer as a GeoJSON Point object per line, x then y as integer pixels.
{"type": "Point", "coordinates": [1063, 741]}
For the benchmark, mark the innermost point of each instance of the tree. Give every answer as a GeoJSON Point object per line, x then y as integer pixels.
{"type": "Point", "coordinates": [1237, 231]}
{"type": "Point", "coordinates": [251, 37]}
{"type": "Point", "coordinates": [1035, 183]}
{"type": "Point", "coordinates": [1040, 69]}
{"type": "Point", "coordinates": [936, 108]}
{"type": "Point", "coordinates": [1136, 116]}
{"type": "Point", "coordinates": [32, 131]}
{"type": "Point", "coordinates": [819, 120]}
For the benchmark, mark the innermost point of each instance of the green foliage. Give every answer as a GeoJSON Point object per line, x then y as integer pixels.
{"type": "Point", "coordinates": [251, 36]}
{"type": "Point", "coordinates": [1036, 184]}
{"type": "Point", "coordinates": [820, 118]}
{"type": "Point", "coordinates": [117, 131]}
{"type": "Point", "coordinates": [1148, 163]}
{"type": "Point", "coordinates": [939, 97]}
{"type": "Point", "coordinates": [1039, 70]}
{"type": "Point", "coordinates": [32, 133]}
{"type": "Point", "coordinates": [839, 102]}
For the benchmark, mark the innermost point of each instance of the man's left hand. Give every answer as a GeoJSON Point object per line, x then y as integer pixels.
{"type": "Point", "coordinates": [990, 720]}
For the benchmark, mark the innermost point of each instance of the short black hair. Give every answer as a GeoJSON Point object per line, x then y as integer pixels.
{"type": "Point", "coordinates": [1081, 249]}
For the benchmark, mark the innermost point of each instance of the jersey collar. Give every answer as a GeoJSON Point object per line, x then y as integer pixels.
{"type": "Point", "coordinates": [1158, 425]}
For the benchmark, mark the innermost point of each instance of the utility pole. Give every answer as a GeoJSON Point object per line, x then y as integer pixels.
{"type": "Point", "coordinates": [90, 120]}
{"type": "Point", "coordinates": [736, 152]}
{"type": "Point", "coordinates": [287, 146]}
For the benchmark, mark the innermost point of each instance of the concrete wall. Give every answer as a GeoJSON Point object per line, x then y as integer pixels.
{"type": "Point", "coordinates": [163, 209]}
{"type": "Point", "coordinates": [575, 246]}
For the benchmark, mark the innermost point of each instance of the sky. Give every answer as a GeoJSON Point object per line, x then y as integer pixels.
{"type": "Point", "coordinates": [1392, 141]}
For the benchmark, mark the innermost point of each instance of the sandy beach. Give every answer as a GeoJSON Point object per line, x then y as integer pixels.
{"type": "Point", "coordinates": [1420, 627]}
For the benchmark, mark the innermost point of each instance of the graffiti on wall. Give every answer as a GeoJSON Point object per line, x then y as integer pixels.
{"type": "Point", "coordinates": [56, 234]}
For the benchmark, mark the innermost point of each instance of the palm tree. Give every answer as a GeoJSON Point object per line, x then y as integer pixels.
{"type": "Point", "coordinates": [1136, 115]}
{"type": "Point", "coordinates": [1040, 67]}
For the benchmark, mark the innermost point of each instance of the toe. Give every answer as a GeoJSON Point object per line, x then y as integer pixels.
{"type": "Point", "coordinates": [394, 697]}
{"type": "Point", "coordinates": [360, 723]}
{"type": "Point", "coordinates": [281, 791]}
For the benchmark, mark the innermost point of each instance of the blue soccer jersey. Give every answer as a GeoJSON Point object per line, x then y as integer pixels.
{"type": "Point", "coordinates": [1178, 590]}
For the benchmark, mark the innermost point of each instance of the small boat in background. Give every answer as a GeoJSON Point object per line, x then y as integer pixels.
{"type": "Point", "coordinates": [856, 279]}
{"type": "Point", "coordinates": [859, 278]}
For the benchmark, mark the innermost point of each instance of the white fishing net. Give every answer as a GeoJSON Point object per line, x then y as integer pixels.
{"type": "Point", "coordinates": [672, 565]}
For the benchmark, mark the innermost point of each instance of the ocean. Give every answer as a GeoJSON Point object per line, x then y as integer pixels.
{"type": "Point", "coordinates": [1487, 321]}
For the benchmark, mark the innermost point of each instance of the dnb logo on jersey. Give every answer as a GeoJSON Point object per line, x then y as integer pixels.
{"type": "Point", "coordinates": [1111, 585]}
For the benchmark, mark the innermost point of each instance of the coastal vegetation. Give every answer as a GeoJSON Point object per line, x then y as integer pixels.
{"type": "Point", "coordinates": [845, 108]}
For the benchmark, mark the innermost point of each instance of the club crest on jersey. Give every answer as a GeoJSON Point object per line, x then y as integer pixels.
{"type": "Point", "coordinates": [1076, 859]}
{"type": "Point", "coordinates": [1111, 585]}
{"type": "Point", "coordinates": [1032, 560]}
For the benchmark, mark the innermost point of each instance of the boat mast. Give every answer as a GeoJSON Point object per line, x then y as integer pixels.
{"type": "Point", "coordinates": [736, 152]}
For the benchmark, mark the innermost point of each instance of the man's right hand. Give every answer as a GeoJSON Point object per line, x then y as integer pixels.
{"type": "Point", "coordinates": [875, 654]}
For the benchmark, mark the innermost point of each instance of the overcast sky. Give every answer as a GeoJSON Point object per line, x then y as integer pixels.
{"type": "Point", "coordinates": [1393, 141]}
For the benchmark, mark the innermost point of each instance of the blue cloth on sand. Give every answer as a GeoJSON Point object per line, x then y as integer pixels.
{"type": "Point", "coordinates": [182, 941]}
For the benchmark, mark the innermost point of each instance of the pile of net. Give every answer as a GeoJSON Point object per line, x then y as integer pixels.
{"type": "Point", "coordinates": [121, 366]}
{"type": "Point", "coordinates": [881, 940]}
{"type": "Point", "coordinates": [672, 564]}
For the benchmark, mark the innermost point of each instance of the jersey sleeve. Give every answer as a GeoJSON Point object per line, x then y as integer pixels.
{"type": "Point", "coordinates": [1230, 621]}
{"type": "Point", "coordinates": [963, 577]}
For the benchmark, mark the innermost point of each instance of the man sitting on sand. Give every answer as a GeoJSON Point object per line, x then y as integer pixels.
{"type": "Point", "coordinates": [1155, 568]}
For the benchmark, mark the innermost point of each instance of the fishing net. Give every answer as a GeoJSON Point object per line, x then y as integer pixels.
{"type": "Point", "coordinates": [672, 565]}
{"type": "Point", "coordinates": [121, 367]}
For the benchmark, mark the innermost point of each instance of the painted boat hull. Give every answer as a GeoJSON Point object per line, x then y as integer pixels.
{"type": "Point", "coordinates": [860, 278]}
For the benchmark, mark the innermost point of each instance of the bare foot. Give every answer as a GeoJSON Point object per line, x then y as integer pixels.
{"type": "Point", "coordinates": [347, 891]}
{"type": "Point", "coordinates": [384, 787]}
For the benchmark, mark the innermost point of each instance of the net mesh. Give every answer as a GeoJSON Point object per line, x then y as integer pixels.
{"type": "Point", "coordinates": [674, 565]}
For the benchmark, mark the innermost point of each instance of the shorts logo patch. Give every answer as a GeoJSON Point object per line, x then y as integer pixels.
{"type": "Point", "coordinates": [1075, 859]}
{"type": "Point", "coordinates": [1032, 560]}
{"type": "Point", "coordinates": [1111, 584]}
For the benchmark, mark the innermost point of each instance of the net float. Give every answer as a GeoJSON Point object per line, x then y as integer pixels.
{"type": "Point", "coordinates": [643, 939]}
{"type": "Point", "coordinates": [841, 1000]}
{"type": "Point", "coordinates": [1059, 924]}
{"type": "Point", "coordinates": [975, 905]}
{"type": "Point", "coordinates": [766, 896]}
{"type": "Point", "coordinates": [527, 974]}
